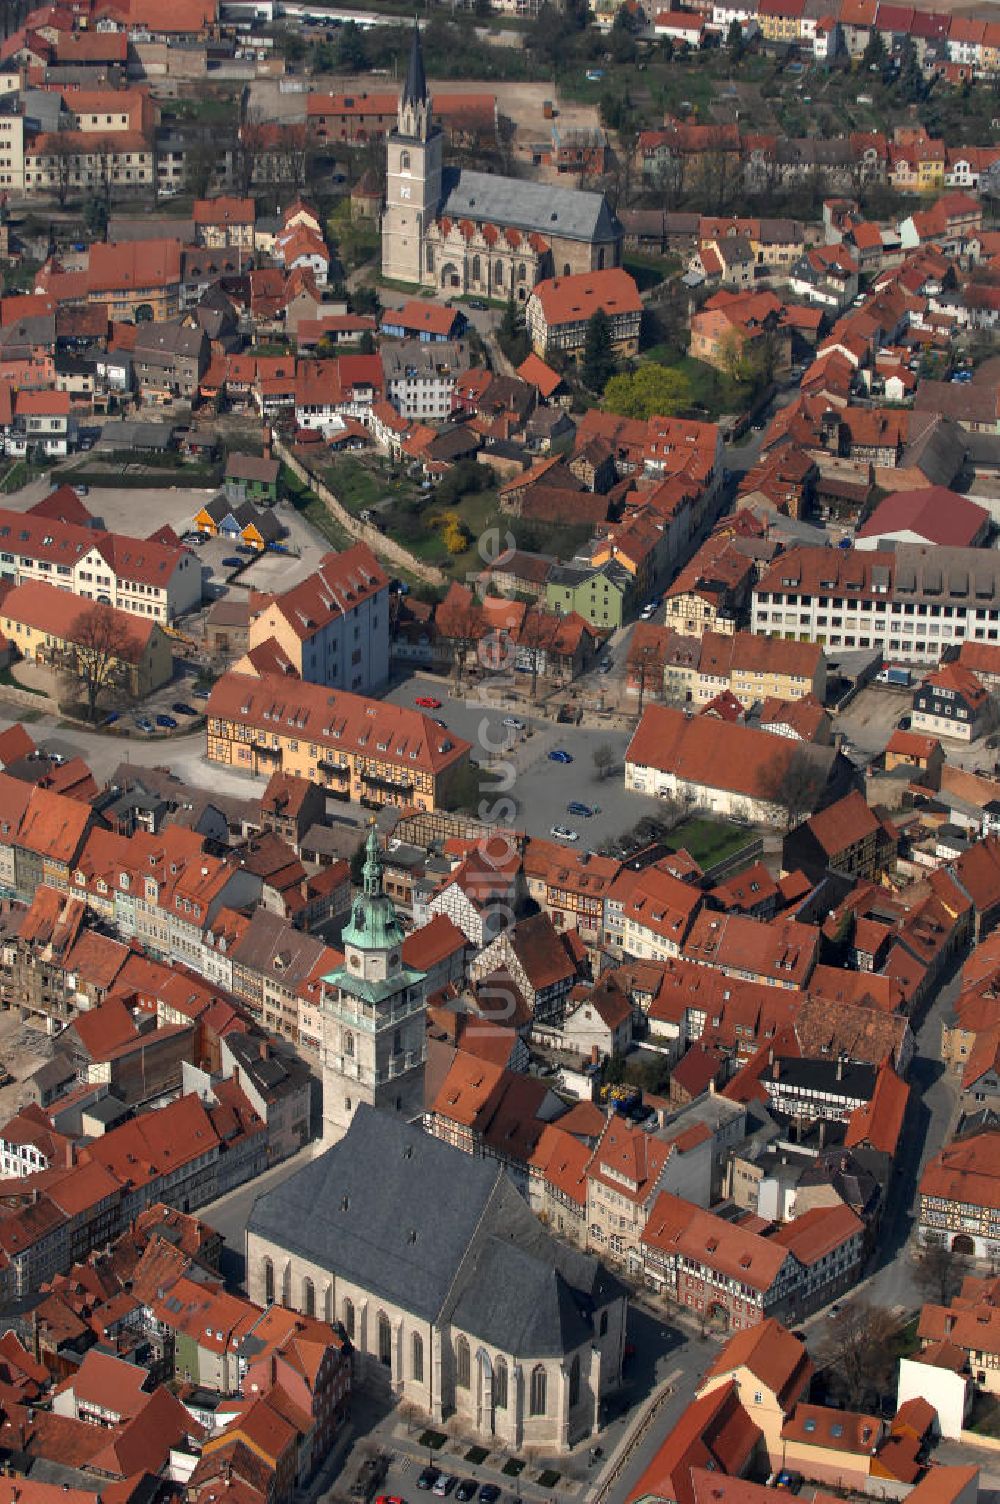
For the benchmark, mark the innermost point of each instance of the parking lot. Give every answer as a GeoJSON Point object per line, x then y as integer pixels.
{"type": "Point", "coordinates": [541, 789]}
{"type": "Point", "coordinates": [870, 719]}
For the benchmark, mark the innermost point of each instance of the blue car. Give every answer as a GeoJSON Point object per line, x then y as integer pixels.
{"type": "Point", "coordinates": [583, 810]}
{"type": "Point", "coordinates": [167, 722]}
{"type": "Point", "coordinates": [233, 562]}
{"type": "Point", "coordinates": [560, 756]}
{"type": "Point", "coordinates": [111, 717]}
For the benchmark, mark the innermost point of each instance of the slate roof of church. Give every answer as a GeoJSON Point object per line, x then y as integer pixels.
{"type": "Point", "coordinates": [572, 213]}
{"type": "Point", "coordinates": [395, 1210]}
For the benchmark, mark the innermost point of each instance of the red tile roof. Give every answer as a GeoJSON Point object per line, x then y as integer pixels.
{"type": "Point", "coordinates": [574, 299]}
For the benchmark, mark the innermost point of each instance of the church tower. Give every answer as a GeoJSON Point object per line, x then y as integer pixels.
{"type": "Point", "coordinates": [413, 179]}
{"type": "Point", "coordinates": [373, 1013]}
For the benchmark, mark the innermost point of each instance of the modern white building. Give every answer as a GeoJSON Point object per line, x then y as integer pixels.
{"type": "Point", "coordinates": [910, 603]}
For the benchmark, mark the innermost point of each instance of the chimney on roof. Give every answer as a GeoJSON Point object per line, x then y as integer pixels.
{"type": "Point", "coordinates": [776, 1073]}
{"type": "Point", "coordinates": [595, 1055]}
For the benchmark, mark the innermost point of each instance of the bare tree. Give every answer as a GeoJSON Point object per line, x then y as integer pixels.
{"type": "Point", "coordinates": [295, 153]}
{"type": "Point", "coordinates": [105, 152]}
{"type": "Point", "coordinates": [465, 628]}
{"type": "Point", "coordinates": [200, 164]}
{"type": "Point", "coordinates": [604, 759]}
{"type": "Point", "coordinates": [102, 655]}
{"type": "Point", "coordinates": [60, 156]}
{"type": "Point", "coordinates": [537, 637]}
{"type": "Point", "coordinates": [671, 178]}
{"type": "Point", "coordinates": [250, 147]}
{"type": "Point", "coordinates": [857, 1347]}
{"type": "Point", "coordinates": [937, 1272]}
{"type": "Point", "coordinates": [795, 784]}
{"type": "Point", "coordinates": [646, 666]}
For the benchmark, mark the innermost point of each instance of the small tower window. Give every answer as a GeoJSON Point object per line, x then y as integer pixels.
{"type": "Point", "coordinates": [404, 161]}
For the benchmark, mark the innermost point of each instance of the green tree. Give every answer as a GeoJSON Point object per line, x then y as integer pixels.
{"type": "Point", "coordinates": [365, 300]}
{"type": "Point", "coordinates": [292, 47]}
{"type": "Point", "coordinates": [734, 41]}
{"type": "Point", "coordinates": [874, 54]}
{"type": "Point", "coordinates": [910, 83]}
{"type": "Point", "coordinates": [366, 344]}
{"type": "Point", "coordinates": [512, 335]}
{"type": "Point", "coordinates": [651, 391]}
{"type": "Point", "coordinates": [598, 352]}
{"type": "Point", "coordinates": [352, 49]}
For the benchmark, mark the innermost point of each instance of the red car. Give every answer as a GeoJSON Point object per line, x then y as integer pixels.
{"type": "Point", "coordinates": [427, 702]}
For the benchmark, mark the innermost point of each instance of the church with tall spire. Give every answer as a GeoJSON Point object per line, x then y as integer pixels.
{"type": "Point", "coordinates": [464, 232]}
{"type": "Point", "coordinates": [373, 1013]}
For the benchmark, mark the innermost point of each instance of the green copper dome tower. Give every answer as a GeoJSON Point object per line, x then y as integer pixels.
{"type": "Point", "coordinates": [373, 1012]}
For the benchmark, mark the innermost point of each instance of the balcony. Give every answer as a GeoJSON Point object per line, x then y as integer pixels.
{"type": "Point", "coordinates": [399, 1065]}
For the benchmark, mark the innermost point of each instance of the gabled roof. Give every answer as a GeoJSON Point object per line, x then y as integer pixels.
{"type": "Point", "coordinates": [772, 1355]}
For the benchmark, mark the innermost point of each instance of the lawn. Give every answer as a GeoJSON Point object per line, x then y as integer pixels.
{"type": "Point", "coordinates": [360, 486]}
{"type": "Point", "coordinates": [205, 110]}
{"type": "Point", "coordinates": [650, 271]}
{"type": "Point", "coordinates": [309, 506]}
{"type": "Point", "coordinates": [711, 391]}
{"type": "Point", "coordinates": [985, 1417]}
{"type": "Point", "coordinates": [709, 841]}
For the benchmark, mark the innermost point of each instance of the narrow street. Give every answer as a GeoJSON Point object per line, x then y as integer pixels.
{"type": "Point", "coordinates": [665, 1352]}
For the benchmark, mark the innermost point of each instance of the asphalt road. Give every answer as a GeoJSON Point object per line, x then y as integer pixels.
{"type": "Point", "coordinates": [891, 1283]}
{"type": "Point", "coordinates": [231, 1213]}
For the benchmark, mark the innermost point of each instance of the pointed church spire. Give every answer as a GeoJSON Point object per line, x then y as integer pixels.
{"type": "Point", "coordinates": [415, 87]}
{"type": "Point", "coordinates": [373, 865]}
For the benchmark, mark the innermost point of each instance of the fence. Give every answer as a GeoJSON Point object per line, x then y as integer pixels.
{"type": "Point", "coordinates": [736, 859]}
{"type": "Point", "coordinates": [378, 542]}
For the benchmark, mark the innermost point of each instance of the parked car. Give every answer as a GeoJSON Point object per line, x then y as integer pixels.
{"type": "Point", "coordinates": [180, 707]}
{"type": "Point", "coordinates": [438, 722]}
{"type": "Point", "coordinates": [583, 810]}
{"type": "Point", "coordinates": [232, 561]}
{"type": "Point", "coordinates": [144, 723]}
{"type": "Point", "coordinates": [466, 1490]}
{"type": "Point", "coordinates": [606, 666]}
{"type": "Point", "coordinates": [789, 1479]}
{"type": "Point", "coordinates": [81, 489]}
{"type": "Point", "coordinates": [428, 1477]}
{"type": "Point", "coordinates": [647, 613]}
{"type": "Point", "coordinates": [167, 722]}
{"type": "Point", "coordinates": [443, 1485]}
{"type": "Point", "coordinates": [245, 548]}
{"type": "Point", "coordinates": [199, 693]}
{"type": "Point", "coordinates": [480, 305]}
{"type": "Point", "coordinates": [111, 717]}
{"type": "Point", "coordinates": [428, 702]}
{"type": "Point", "coordinates": [489, 1493]}
{"type": "Point", "coordinates": [512, 723]}
{"type": "Point", "coordinates": [563, 833]}
{"type": "Point", "coordinates": [559, 754]}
